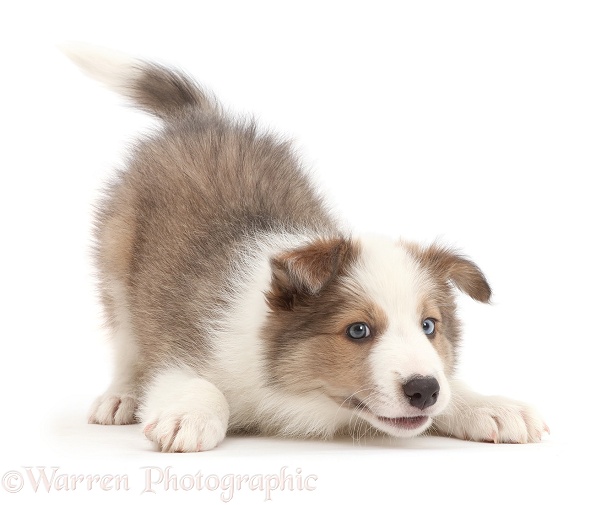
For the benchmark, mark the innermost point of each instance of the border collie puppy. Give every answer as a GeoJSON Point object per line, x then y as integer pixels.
{"type": "Point", "coordinates": [238, 303]}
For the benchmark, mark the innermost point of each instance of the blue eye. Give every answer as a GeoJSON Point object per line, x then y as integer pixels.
{"type": "Point", "coordinates": [429, 326]}
{"type": "Point", "coordinates": [358, 331]}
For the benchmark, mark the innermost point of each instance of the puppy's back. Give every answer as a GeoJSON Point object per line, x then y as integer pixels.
{"type": "Point", "coordinates": [170, 224]}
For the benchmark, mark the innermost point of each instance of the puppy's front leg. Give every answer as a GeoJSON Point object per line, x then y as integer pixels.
{"type": "Point", "coordinates": [471, 416]}
{"type": "Point", "coordinates": [182, 412]}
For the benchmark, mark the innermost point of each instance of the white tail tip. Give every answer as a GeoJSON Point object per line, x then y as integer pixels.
{"type": "Point", "coordinates": [115, 69]}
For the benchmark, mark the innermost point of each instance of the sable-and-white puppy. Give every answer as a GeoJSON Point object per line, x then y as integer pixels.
{"type": "Point", "coordinates": [238, 303]}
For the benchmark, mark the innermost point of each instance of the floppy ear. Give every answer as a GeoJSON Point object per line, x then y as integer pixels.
{"type": "Point", "coordinates": [448, 265]}
{"type": "Point", "coordinates": [306, 270]}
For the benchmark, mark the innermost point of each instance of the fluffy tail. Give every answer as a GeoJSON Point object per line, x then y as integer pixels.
{"type": "Point", "coordinates": [155, 89]}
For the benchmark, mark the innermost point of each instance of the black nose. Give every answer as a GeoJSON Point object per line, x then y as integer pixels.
{"type": "Point", "coordinates": [422, 391]}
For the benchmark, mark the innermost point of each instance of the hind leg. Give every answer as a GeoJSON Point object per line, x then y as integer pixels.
{"type": "Point", "coordinates": [119, 403]}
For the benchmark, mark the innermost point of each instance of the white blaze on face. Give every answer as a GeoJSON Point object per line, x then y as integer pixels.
{"type": "Point", "coordinates": [394, 281]}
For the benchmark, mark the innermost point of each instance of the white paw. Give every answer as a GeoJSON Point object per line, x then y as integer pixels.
{"type": "Point", "coordinates": [493, 419]}
{"type": "Point", "coordinates": [183, 412]}
{"type": "Point", "coordinates": [186, 432]}
{"type": "Point", "coordinates": [113, 408]}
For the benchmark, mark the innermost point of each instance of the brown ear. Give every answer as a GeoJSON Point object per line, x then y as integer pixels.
{"type": "Point", "coordinates": [306, 270]}
{"type": "Point", "coordinates": [448, 265]}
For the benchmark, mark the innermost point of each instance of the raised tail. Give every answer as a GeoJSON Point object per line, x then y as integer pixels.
{"type": "Point", "coordinates": [164, 92]}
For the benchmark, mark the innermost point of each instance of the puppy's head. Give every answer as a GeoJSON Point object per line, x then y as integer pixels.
{"type": "Point", "coordinates": [371, 324]}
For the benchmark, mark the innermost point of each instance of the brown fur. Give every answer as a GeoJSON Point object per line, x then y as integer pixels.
{"type": "Point", "coordinates": [307, 270]}
{"type": "Point", "coordinates": [169, 93]}
{"type": "Point", "coordinates": [169, 225]}
{"type": "Point", "coordinates": [308, 347]}
{"type": "Point", "coordinates": [445, 265]}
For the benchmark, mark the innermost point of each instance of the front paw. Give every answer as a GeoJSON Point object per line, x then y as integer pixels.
{"type": "Point", "coordinates": [492, 419]}
{"type": "Point", "coordinates": [182, 412]}
{"type": "Point", "coordinates": [186, 432]}
{"type": "Point", "coordinates": [113, 408]}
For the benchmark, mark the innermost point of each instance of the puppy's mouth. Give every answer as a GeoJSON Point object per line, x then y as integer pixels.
{"type": "Point", "coordinates": [390, 423]}
{"type": "Point", "coordinates": [404, 423]}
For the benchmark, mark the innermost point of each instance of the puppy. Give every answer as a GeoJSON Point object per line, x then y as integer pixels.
{"type": "Point", "coordinates": [238, 303]}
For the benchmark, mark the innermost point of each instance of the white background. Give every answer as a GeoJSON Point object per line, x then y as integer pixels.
{"type": "Point", "coordinates": [481, 123]}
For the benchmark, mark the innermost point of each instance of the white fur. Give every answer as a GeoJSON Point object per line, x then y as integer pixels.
{"type": "Point", "coordinates": [183, 412]}
{"type": "Point", "coordinates": [113, 68]}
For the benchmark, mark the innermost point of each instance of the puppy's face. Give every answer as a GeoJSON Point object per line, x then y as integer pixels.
{"type": "Point", "coordinates": [371, 325]}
